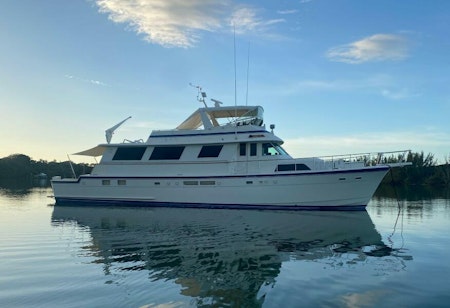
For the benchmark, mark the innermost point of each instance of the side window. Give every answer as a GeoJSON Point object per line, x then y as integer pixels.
{"type": "Point", "coordinates": [292, 167]}
{"type": "Point", "coordinates": [242, 148]}
{"type": "Point", "coordinates": [300, 167]}
{"type": "Point", "coordinates": [210, 151]}
{"type": "Point", "coordinates": [286, 167]}
{"type": "Point", "coordinates": [161, 153]}
{"type": "Point", "coordinates": [252, 149]}
{"type": "Point", "coordinates": [265, 148]}
{"type": "Point", "coordinates": [272, 149]}
{"type": "Point", "coordinates": [129, 153]}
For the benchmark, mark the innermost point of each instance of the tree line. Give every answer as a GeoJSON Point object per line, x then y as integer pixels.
{"type": "Point", "coordinates": [424, 170]}
{"type": "Point", "coordinates": [20, 167]}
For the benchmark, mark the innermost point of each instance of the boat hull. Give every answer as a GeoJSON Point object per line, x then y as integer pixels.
{"type": "Point", "coordinates": [326, 190]}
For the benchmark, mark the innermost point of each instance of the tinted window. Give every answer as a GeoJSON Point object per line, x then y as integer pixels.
{"type": "Point", "coordinates": [302, 167]}
{"type": "Point", "coordinates": [207, 182]}
{"type": "Point", "coordinates": [252, 149]}
{"type": "Point", "coordinates": [160, 153]}
{"type": "Point", "coordinates": [210, 151]}
{"type": "Point", "coordinates": [242, 147]}
{"type": "Point", "coordinates": [286, 167]}
{"type": "Point", "coordinates": [129, 153]}
{"type": "Point", "coordinates": [190, 182]}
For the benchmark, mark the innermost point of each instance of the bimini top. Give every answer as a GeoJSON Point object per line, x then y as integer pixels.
{"type": "Point", "coordinates": [93, 152]}
{"type": "Point", "coordinates": [236, 115]}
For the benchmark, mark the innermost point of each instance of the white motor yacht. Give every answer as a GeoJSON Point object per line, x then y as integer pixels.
{"type": "Point", "coordinates": [222, 157]}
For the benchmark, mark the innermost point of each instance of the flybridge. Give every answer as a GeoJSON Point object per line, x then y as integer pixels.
{"type": "Point", "coordinates": [210, 117]}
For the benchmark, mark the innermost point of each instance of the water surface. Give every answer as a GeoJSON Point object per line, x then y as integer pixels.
{"type": "Point", "coordinates": [393, 254]}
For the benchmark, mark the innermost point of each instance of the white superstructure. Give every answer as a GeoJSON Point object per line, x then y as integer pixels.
{"type": "Point", "coordinates": [221, 157]}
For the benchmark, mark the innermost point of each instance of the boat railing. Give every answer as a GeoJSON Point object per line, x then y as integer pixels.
{"type": "Point", "coordinates": [133, 141]}
{"type": "Point", "coordinates": [344, 161]}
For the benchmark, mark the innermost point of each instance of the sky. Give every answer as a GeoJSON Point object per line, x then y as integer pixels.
{"type": "Point", "coordinates": [334, 76]}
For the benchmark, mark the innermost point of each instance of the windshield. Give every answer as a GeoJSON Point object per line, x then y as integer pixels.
{"type": "Point", "coordinates": [272, 149]}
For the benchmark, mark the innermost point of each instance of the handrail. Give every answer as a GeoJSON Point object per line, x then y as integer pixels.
{"type": "Point", "coordinates": [404, 152]}
{"type": "Point", "coordinates": [368, 159]}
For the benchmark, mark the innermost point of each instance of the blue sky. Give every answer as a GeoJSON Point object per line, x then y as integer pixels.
{"type": "Point", "coordinates": [335, 77]}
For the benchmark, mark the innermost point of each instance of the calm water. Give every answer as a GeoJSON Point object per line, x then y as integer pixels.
{"type": "Point", "coordinates": [393, 255]}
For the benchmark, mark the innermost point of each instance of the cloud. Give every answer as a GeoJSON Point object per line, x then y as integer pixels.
{"type": "Point", "coordinates": [398, 94]}
{"type": "Point", "coordinates": [175, 23]}
{"type": "Point", "coordinates": [246, 19]}
{"type": "Point", "coordinates": [180, 23]}
{"type": "Point", "coordinates": [91, 81]}
{"type": "Point", "coordinates": [373, 82]}
{"type": "Point", "coordinates": [98, 83]}
{"type": "Point", "coordinates": [385, 85]}
{"type": "Point", "coordinates": [378, 47]}
{"type": "Point", "coordinates": [286, 12]}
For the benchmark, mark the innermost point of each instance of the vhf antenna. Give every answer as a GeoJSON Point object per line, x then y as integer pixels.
{"type": "Point", "coordinates": [200, 94]}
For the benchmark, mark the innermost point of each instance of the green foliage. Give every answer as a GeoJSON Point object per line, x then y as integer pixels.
{"type": "Point", "coordinates": [441, 175]}
{"type": "Point", "coordinates": [15, 166]}
{"type": "Point", "coordinates": [423, 171]}
{"type": "Point", "coordinates": [21, 167]}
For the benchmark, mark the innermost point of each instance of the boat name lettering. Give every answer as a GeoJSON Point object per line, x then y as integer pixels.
{"type": "Point", "coordinates": [256, 136]}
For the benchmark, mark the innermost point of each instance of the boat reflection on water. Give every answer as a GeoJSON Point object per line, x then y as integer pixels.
{"type": "Point", "coordinates": [219, 256]}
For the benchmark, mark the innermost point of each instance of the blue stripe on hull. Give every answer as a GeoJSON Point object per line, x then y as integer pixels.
{"type": "Point", "coordinates": [139, 203]}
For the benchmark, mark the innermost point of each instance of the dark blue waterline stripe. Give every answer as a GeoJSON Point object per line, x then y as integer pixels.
{"type": "Point", "coordinates": [209, 134]}
{"type": "Point", "coordinates": [139, 203]}
{"type": "Point", "coordinates": [91, 177]}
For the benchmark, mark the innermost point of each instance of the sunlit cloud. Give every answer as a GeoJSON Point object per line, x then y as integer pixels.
{"type": "Point", "coordinates": [179, 23]}
{"type": "Point", "coordinates": [378, 47]}
{"type": "Point", "coordinates": [246, 19]}
{"type": "Point", "coordinates": [175, 23]}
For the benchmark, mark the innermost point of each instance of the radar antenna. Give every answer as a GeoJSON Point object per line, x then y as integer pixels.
{"type": "Point", "coordinates": [110, 131]}
{"type": "Point", "coordinates": [217, 103]}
